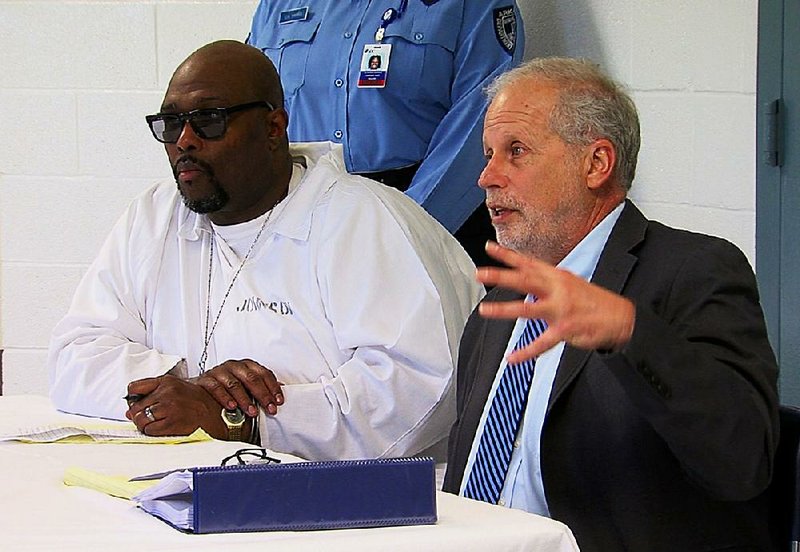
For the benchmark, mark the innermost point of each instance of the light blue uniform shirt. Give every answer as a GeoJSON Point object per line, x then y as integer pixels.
{"type": "Point", "coordinates": [432, 107]}
{"type": "Point", "coordinates": [523, 488]}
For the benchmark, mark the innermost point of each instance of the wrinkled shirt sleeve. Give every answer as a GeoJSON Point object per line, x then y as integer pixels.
{"type": "Point", "coordinates": [397, 311]}
{"type": "Point", "coordinates": [102, 343]}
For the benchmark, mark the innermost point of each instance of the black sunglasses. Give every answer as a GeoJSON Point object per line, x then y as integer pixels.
{"type": "Point", "coordinates": [206, 123]}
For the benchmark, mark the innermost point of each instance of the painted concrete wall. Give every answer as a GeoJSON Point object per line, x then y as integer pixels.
{"type": "Point", "coordinates": [77, 77]}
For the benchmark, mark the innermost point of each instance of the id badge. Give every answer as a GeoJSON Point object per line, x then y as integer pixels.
{"type": "Point", "coordinates": [374, 66]}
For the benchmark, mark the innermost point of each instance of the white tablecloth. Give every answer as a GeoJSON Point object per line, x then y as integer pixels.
{"type": "Point", "coordinates": [38, 512]}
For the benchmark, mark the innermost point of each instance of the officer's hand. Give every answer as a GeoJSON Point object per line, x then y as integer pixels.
{"type": "Point", "coordinates": [237, 382]}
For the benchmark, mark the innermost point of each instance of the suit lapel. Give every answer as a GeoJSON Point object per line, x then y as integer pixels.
{"type": "Point", "coordinates": [482, 347]}
{"type": "Point", "coordinates": [494, 337]}
{"type": "Point", "coordinates": [612, 272]}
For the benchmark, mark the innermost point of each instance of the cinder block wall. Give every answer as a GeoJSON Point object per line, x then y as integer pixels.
{"type": "Point", "coordinates": [77, 78]}
{"type": "Point", "coordinates": [691, 66]}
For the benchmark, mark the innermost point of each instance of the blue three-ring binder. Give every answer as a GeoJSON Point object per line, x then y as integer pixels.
{"type": "Point", "coordinates": [312, 495]}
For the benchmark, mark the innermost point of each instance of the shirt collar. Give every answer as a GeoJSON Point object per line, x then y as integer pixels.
{"type": "Point", "coordinates": [292, 216]}
{"type": "Point", "coordinates": [582, 260]}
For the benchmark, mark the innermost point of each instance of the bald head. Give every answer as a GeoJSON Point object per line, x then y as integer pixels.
{"type": "Point", "coordinates": [244, 68]}
{"type": "Point", "coordinates": [241, 169]}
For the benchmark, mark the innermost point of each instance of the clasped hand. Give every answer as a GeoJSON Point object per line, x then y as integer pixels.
{"type": "Point", "coordinates": [178, 407]}
{"type": "Point", "coordinates": [237, 382]}
{"type": "Point", "coordinates": [578, 312]}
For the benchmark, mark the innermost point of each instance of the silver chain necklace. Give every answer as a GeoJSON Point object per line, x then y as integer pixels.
{"type": "Point", "coordinates": [207, 334]}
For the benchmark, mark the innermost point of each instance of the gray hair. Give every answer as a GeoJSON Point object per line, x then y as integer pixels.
{"type": "Point", "coordinates": [591, 105]}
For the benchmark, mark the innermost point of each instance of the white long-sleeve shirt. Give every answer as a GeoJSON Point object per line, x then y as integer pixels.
{"type": "Point", "coordinates": [354, 297]}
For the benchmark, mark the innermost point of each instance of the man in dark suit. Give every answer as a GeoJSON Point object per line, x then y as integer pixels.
{"type": "Point", "coordinates": [650, 422]}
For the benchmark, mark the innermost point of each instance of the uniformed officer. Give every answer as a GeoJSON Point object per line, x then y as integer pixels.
{"type": "Point", "coordinates": [414, 122]}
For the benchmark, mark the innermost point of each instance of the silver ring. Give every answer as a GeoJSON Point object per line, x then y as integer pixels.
{"type": "Point", "coordinates": [149, 413]}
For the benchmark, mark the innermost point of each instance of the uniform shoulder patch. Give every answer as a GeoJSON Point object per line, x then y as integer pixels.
{"type": "Point", "coordinates": [505, 28]}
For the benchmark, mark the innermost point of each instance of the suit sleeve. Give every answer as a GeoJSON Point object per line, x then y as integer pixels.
{"type": "Point", "coordinates": [701, 371]}
{"type": "Point", "coordinates": [463, 430]}
{"type": "Point", "coordinates": [446, 181]}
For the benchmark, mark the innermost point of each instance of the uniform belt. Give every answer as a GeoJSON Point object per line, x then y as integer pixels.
{"type": "Point", "coordinates": [399, 179]}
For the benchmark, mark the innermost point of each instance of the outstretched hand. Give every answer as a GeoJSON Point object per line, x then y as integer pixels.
{"type": "Point", "coordinates": [578, 312]}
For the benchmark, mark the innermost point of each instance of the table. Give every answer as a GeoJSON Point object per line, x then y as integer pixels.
{"type": "Point", "coordinates": [39, 512]}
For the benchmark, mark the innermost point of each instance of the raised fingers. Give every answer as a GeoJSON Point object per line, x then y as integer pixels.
{"type": "Point", "coordinates": [525, 274]}
{"type": "Point", "coordinates": [507, 256]}
{"type": "Point", "coordinates": [546, 341]}
{"type": "Point", "coordinates": [510, 309]}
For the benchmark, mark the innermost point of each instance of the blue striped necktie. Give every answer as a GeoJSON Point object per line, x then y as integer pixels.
{"type": "Point", "coordinates": [502, 422]}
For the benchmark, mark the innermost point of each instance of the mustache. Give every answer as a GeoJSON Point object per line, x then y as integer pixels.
{"type": "Point", "coordinates": [503, 200]}
{"type": "Point", "coordinates": [187, 161]}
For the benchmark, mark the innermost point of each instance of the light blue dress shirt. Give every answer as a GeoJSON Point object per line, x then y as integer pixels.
{"type": "Point", "coordinates": [431, 109]}
{"type": "Point", "coordinates": [523, 488]}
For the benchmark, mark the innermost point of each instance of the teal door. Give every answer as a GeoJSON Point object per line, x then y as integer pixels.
{"type": "Point", "coordinates": [778, 184]}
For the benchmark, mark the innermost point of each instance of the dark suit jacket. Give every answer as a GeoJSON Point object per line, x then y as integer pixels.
{"type": "Point", "coordinates": [668, 444]}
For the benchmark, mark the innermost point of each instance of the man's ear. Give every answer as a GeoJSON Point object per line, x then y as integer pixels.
{"type": "Point", "coordinates": [600, 160]}
{"type": "Point", "coordinates": [277, 120]}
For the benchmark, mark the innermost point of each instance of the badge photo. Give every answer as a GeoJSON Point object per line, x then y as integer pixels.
{"type": "Point", "coordinates": [374, 66]}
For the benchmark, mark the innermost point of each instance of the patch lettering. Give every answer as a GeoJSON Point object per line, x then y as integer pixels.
{"type": "Point", "coordinates": [505, 28]}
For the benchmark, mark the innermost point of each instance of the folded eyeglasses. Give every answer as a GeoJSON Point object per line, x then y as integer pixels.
{"type": "Point", "coordinates": [249, 456]}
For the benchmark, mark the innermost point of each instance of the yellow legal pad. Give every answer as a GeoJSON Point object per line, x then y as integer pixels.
{"type": "Point", "coordinates": [114, 485]}
{"type": "Point", "coordinates": [99, 433]}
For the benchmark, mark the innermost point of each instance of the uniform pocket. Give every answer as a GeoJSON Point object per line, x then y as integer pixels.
{"type": "Point", "coordinates": [422, 45]}
{"type": "Point", "coordinates": [423, 53]}
{"type": "Point", "coordinates": [288, 49]}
